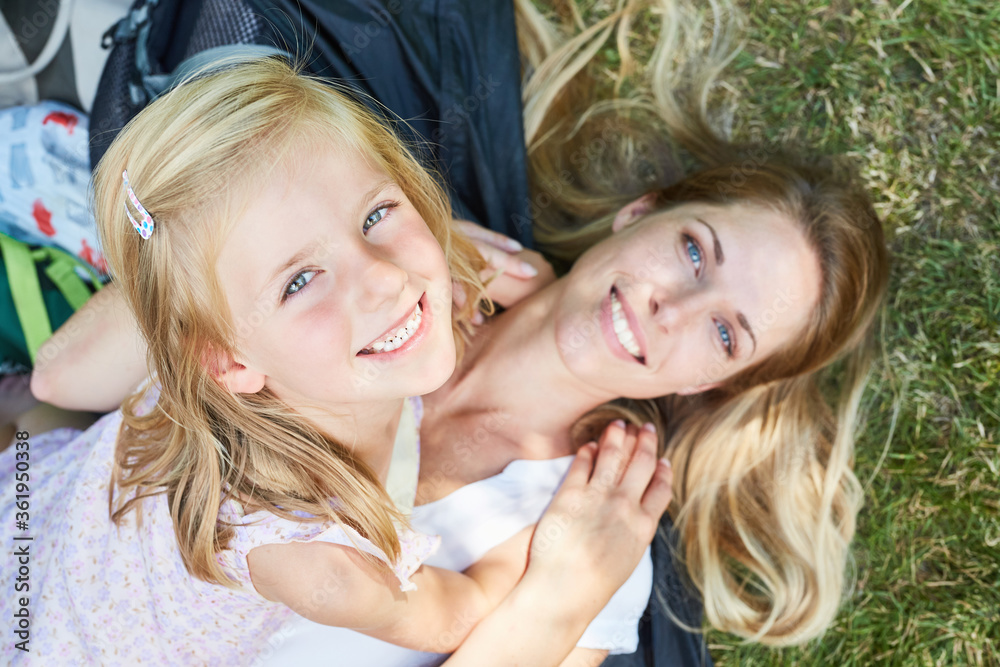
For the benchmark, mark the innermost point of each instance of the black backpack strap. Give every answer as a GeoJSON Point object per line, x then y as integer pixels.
{"type": "Point", "coordinates": [151, 44]}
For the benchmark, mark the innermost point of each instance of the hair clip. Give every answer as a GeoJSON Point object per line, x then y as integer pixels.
{"type": "Point", "coordinates": [145, 229]}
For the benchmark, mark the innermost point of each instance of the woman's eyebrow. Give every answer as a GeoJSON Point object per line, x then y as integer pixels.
{"type": "Point", "coordinates": [745, 323]}
{"type": "Point", "coordinates": [716, 246]}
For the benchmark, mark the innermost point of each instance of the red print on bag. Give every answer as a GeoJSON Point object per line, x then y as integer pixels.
{"type": "Point", "coordinates": [67, 120]}
{"type": "Point", "coordinates": [43, 218]}
{"type": "Point", "coordinates": [92, 257]}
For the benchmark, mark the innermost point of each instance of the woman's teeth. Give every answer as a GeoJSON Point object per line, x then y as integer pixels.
{"type": "Point", "coordinates": [396, 338]}
{"type": "Point", "coordinates": [622, 329]}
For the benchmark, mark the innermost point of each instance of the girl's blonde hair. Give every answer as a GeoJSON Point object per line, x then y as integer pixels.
{"type": "Point", "coordinates": [194, 157]}
{"type": "Point", "coordinates": [765, 496]}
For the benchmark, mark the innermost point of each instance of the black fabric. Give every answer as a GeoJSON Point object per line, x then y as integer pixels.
{"type": "Point", "coordinates": [662, 642]}
{"type": "Point", "coordinates": [449, 68]}
{"type": "Point", "coordinates": [178, 30]}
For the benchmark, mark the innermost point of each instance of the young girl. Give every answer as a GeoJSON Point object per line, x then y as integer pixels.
{"type": "Point", "coordinates": [282, 256]}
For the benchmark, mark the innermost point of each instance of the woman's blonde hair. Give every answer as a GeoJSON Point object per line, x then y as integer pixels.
{"type": "Point", "coordinates": [194, 157]}
{"type": "Point", "coordinates": [765, 496]}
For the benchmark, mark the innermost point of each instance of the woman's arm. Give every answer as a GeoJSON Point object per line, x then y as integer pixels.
{"type": "Point", "coordinates": [585, 546]}
{"type": "Point", "coordinates": [94, 360]}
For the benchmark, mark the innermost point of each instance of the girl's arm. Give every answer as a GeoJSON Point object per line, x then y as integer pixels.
{"type": "Point", "coordinates": [94, 360]}
{"type": "Point", "coordinates": [337, 585]}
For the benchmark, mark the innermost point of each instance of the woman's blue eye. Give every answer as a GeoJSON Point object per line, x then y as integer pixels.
{"type": "Point", "coordinates": [298, 282]}
{"type": "Point", "coordinates": [727, 339]}
{"type": "Point", "coordinates": [377, 216]}
{"type": "Point", "coordinates": [694, 252]}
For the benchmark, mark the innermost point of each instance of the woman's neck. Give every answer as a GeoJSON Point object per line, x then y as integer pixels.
{"type": "Point", "coordinates": [514, 371]}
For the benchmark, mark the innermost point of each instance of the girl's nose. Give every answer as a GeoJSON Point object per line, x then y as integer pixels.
{"type": "Point", "coordinates": [382, 281]}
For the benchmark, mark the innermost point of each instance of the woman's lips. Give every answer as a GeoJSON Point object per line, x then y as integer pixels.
{"type": "Point", "coordinates": [633, 323]}
{"type": "Point", "coordinates": [608, 331]}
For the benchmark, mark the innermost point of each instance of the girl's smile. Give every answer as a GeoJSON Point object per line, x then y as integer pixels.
{"type": "Point", "coordinates": [403, 336]}
{"type": "Point", "coordinates": [358, 302]}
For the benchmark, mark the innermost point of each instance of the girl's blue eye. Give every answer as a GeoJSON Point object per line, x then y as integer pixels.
{"type": "Point", "coordinates": [377, 216]}
{"type": "Point", "coordinates": [694, 252]}
{"type": "Point", "coordinates": [298, 282]}
{"type": "Point", "coordinates": [727, 339]}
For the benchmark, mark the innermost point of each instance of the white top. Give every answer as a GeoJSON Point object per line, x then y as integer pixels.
{"type": "Point", "coordinates": [471, 521]}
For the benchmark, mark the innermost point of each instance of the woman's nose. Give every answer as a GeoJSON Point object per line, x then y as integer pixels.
{"type": "Point", "coordinates": [382, 281]}
{"type": "Point", "coordinates": [672, 310]}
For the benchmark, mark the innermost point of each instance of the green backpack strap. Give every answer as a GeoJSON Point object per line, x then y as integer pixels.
{"type": "Point", "coordinates": [26, 291]}
{"type": "Point", "coordinates": [62, 272]}
{"type": "Point", "coordinates": [22, 277]}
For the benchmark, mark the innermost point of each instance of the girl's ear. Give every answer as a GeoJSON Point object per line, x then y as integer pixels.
{"type": "Point", "coordinates": [632, 211]}
{"type": "Point", "coordinates": [230, 373]}
{"type": "Point", "coordinates": [691, 391]}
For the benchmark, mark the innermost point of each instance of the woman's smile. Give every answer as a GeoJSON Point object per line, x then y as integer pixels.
{"type": "Point", "coordinates": [621, 329]}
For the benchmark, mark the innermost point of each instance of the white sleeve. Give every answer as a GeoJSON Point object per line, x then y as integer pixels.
{"type": "Point", "coordinates": [616, 628]}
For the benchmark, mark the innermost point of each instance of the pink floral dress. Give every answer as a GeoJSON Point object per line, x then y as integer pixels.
{"type": "Point", "coordinates": [106, 595]}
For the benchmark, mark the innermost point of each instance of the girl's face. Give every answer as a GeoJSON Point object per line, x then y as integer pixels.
{"type": "Point", "coordinates": [678, 301]}
{"type": "Point", "coordinates": [339, 292]}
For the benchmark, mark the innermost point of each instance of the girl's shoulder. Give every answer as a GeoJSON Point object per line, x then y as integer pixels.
{"type": "Point", "coordinates": [260, 528]}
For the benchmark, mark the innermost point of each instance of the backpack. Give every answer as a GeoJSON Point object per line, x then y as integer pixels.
{"type": "Point", "coordinates": [44, 222]}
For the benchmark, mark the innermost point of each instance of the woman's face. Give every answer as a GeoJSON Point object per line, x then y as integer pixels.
{"type": "Point", "coordinates": [339, 292]}
{"type": "Point", "coordinates": [678, 301]}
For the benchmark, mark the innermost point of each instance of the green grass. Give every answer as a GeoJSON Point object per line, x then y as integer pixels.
{"type": "Point", "coordinates": [912, 92]}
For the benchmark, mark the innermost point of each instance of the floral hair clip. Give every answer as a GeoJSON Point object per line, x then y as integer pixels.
{"type": "Point", "coordinates": [145, 228]}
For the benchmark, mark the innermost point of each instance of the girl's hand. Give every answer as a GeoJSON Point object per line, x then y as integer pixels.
{"type": "Point", "coordinates": [95, 359]}
{"type": "Point", "coordinates": [512, 272]}
{"type": "Point", "coordinates": [604, 516]}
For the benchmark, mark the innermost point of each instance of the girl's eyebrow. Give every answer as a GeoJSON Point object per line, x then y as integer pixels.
{"type": "Point", "coordinates": [381, 185]}
{"type": "Point", "coordinates": [298, 257]}
{"type": "Point", "coordinates": [303, 254]}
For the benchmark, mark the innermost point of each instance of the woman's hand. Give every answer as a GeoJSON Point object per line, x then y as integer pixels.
{"type": "Point", "coordinates": [513, 273]}
{"type": "Point", "coordinates": [585, 546]}
{"type": "Point", "coordinates": [604, 515]}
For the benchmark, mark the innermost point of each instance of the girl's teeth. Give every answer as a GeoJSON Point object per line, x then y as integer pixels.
{"type": "Point", "coordinates": [396, 339]}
